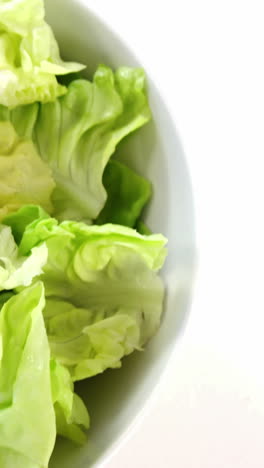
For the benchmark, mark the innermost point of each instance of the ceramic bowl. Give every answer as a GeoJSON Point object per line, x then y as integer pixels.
{"type": "Point", "coordinates": [117, 397]}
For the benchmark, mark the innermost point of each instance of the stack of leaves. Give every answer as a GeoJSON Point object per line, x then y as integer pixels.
{"type": "Point", "coordinates": [79, 284]}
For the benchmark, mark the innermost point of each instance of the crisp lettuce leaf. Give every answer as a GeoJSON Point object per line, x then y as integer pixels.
{"type": "Point", "coordinates": [29, 55]}
{"type": "Point", "coordinates": [88, 341]}
{"type": "Point", "coordinates": [71, 413]}
{"type": "Point", "coordinates": [23, 118]}
{"type": "Point", "coordinates": [4, 297]}
{"type": "Point", "coordinates": [127, 194]}
{"type": "Point", "coordinates": [19, 220]}
{"type": "Point", "coordinates": [77, 134]}
{"type": "Point", "coordinates": [16, 270]}
{"type": "Point", "coordinates": [104, 297]}
{"type": "Point", "coordinates": [85, 127]}
{"type": "Point", "coordinates": [24, 177]}
{"type": "Point", "coordinates": [27, 417]}
{"type": "Point", "coordinates": [28, 230]}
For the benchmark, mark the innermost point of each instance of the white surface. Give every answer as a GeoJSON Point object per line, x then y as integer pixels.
{"type": "Point", "coordinates": [207, 56]}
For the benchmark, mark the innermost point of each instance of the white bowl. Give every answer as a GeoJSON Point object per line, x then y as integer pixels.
{"type": "Point", "coordinates": [116, 397]}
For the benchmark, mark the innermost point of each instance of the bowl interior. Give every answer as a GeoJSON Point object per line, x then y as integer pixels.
{"type": "Point", "coordinates": [116, 397]}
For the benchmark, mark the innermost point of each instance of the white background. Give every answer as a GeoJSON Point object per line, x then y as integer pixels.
{"type": "Point", "coordinates": [207, 57]}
